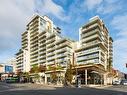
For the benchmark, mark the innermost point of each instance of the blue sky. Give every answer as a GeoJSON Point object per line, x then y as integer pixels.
{"type": "Point", "coordinates": [69, 15]}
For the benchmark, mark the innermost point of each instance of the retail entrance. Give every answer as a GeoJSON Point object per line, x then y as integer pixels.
{"type": "Point", "coordinates": [91, 74]}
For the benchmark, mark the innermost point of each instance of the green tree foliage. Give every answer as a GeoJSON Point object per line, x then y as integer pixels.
{"type": "Point", "coordinates": [36, 76]}
{"type": "Point", "coordinates": [69, 74]}
{"type": "Point", "coordinates": [54, 69]}
{"type": "Point", "coordinates": [42, 68]}
{"type": "Point", "coordinates": [37, 69]}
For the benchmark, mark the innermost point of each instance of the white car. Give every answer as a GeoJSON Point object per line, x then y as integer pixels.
{"type": "Point", "coordinates": [116, 82]}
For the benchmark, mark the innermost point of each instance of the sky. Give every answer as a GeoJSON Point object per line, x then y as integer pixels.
{"type": "Point", "coordinates": [69, 15]}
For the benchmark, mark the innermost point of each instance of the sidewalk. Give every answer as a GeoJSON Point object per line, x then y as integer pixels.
{"type": "Point", "coordinates": [96, 86]}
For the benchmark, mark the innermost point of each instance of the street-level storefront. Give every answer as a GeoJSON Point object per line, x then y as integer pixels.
{"type": "Point", "coordinates": [91, 74]}
{"type": "Point", "coordinates": [55, 77]}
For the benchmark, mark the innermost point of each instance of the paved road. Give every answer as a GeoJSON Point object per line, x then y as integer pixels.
{"type": "Point", "coordinates": [33, 89]}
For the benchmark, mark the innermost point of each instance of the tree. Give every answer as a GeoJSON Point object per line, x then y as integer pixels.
{"type": "Point", "coordinates": [54, 76]}
{"type": "Point", "coordinates": [69, 74]}
{"type": "Point", "coordinates": [42, 68]}
{"type": "Point", "coordinates": [26, 76]}
{"type": "Point", "coordinates": [34, 69]}
{"type": "Point", "coordinates": [54, 73]}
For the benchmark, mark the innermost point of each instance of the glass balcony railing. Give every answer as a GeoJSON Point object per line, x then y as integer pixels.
{"type": "Point", "coordinates": [90, 38]}
{"type": "Point", "coordinates": [50, 58]}
{"type": "Point", "coordinates": [87, 57]}
{"type": "Point", "coordinates": [89, 33]}
{"type": "Point", "coordinates": [50, 40]}
{"type": "Point", "coordinates": [61, 50]}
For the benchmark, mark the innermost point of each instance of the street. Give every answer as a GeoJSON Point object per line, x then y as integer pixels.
{"type": "Point", "coordinates": [36, 89]}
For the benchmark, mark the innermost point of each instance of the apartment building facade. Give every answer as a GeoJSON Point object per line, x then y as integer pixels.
{"type": "Point", "coordinates": [44, 45]}
{"type": "Point", "coordinates": [92, 57]}
{"type": "Point", "coordinates": [22, 61]}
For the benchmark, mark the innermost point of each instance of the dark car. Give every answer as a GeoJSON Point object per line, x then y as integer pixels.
{"type": "Point", "coordinates": [124, 82]}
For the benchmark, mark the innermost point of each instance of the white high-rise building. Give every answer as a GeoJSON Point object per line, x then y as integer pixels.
{"type": "Point", "coordinates": [22, 61]}
{"type": "Point", "coordinates": [43, 45]}
{"type": "Point", "coordinates": [95, 50]}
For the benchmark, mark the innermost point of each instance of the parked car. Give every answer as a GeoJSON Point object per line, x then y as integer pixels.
{"type": "Point", "coordinates": [11, 80]}
{"type": "Point", "coordinates": [124, 82]}
{"type": "Point", "coordinates": [117, 82]}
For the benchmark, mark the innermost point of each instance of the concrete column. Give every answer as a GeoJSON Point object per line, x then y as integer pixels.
{"type": "Point", "coordinates": [45, 79]}
{"type": "Point", "coordinates": [105, 79]}
{"type": "Point", "coordinates": [85, 76]}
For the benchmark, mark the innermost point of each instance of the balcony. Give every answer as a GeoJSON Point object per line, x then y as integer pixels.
{"type": "Point", "coordinates": [63, 45]}
{"type": "Point", "coordinates": [83, 58]}
{"type": "Point", "coordinates": [42, 44]}
{"type": "Point", "coordinates": [43, 36]}
{"type": "Point", "coordinates": [50, 62]}
{"type": "Point", "coordinates": [42, 48]}
{"type": "Point", "coordinates": [89, 61]}
{"type": "Point", "coordinates": [51, 49]}
{"type": "Point", "coordinates": [61, 55]}
{"type": "Point", "coordinates": [42, 41]}
{"type": "Point", "coordinates": [24, 38]}
{"type": "Point", "coordinates": [91, 27]}
{"type": "Point", "coordinates": [50, 40]}
{"type": "Point", "coordinates": [51, 36]}
{"type": "Point", "coordinates": [42, 61]}
{"type": "Point", "coordinates": [33, 60]}
{"type": "Point", "coordinates": [34, 49]}
{"type": "Point", "coordinates": [33, 22]}
{"type": "Point", "coordinates": [87, 52]}
{"type": "Point", "coordinates": [42, 52]}
{"type": "Point", "coordinates": [25, 42]}
{"type": "Point", "coordinates": [34, 25]}
{"type": "Point", "coordinates": [61, 50]}
{"type": "Point", "coordinates": [34, 38]}
{"type": "Point", "coordinates": [62, 59]}
{"type": "Point", "coordinates": [51, 54]}
{"type": "Point", "coordinates": [34, 53]}
{"type": "Point", "coordinates": [51, 58]}
{"type": "Point", "coordinates": [89, 33]}
{"type": "Point", "coordinates": [60, 41]}
{"type": "Point", "coordinates": [33, 56]}
{"type": "Point", "coordinates": [90, 38]}
{"type": "Point", "coordinates": [42, 57]}
{"type": "Point", "coordinates": [34, 63]}
{"type": "Point", "coordinates": [50, 45]}
{"type": "Point", "coordinates": [24, 33]}
{"type": "Point", "coordinates": [34, 45]}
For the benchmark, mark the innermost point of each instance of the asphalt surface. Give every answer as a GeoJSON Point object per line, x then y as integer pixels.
{"type": "Point", "coordinates": [35, 89]}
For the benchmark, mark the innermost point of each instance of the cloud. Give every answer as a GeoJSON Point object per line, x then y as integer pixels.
{"type": "Point", "coordinates": [13, 18]}
{"type": "Point", "coordinates": [14, 15]}
{"type": "Point", "coordinates": [120, 44]}
{"type": "Point", "coordinates": [49, 7]}
{"type": "Point", "coordinates": [91, 4]}
{"type": "Point", "coordinates": [108, 7]}
{"type": "Point", "coordinates": [102, 6]}
{"type": "Point", "coordinates": [121, 24]}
